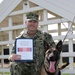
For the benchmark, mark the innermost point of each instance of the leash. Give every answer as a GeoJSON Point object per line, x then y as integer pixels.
{"type": "Point", "coordinates": [68, 30]}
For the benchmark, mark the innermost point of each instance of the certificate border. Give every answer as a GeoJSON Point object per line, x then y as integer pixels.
{"type": "Point", "coordinates": [15, 51]}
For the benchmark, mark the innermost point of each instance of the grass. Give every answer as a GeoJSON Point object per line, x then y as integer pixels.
{"type": "Point", "coordinates": [67, 74]}
{"type": "Point", "coordinates": [7, 73]}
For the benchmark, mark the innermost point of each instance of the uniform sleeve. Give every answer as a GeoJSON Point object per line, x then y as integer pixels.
{"type": "Point", "coordinates": [49, 40]}
{"type": "Point", "coordinates": [13, 49]}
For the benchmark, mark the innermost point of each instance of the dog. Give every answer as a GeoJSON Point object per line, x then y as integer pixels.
{"type": "Point", "coordinates": [51, 61]}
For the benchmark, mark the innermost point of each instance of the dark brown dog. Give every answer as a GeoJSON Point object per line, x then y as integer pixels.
{"type": "Point", "coordinates": [52, 57]}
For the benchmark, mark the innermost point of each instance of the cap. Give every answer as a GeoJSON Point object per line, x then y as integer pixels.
{"type": "Point", "coordinates": [32, 16]}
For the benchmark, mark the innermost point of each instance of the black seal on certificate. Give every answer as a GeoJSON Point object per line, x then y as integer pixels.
{"type": "Point", "coordinates": [24, 49]}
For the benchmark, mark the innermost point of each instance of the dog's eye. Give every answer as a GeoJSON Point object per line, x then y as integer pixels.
{"type": "Point", "coordinates": [49, 52]}
{"type": "Point", "coordinates": [55, 52]}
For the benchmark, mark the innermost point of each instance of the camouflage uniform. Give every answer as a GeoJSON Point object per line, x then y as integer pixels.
{"type": "Point", "coordinates": [33, 68]}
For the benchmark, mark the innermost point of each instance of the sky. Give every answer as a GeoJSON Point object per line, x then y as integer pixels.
{"type": "Point", "coordinates": [1, 1]}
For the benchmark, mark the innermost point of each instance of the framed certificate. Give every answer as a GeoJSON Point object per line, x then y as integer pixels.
{"type": "Point", "coordinates": [24, 48]}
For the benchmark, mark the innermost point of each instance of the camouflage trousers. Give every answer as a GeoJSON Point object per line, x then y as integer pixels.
{"type": "Point", "coordinates": [23, 69]}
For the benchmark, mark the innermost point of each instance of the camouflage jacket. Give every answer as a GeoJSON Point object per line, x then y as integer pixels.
{"type": "Point", "coordinates": [33, 68]}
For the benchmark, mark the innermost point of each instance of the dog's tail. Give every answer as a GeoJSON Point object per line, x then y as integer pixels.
{"type": "Point", "coordinates": [63, 66]}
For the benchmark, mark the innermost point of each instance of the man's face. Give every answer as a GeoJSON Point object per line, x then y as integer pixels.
{"type": "Point", "coordinates": [31, 25]}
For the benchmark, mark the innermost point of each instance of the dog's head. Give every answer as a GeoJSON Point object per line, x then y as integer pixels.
{"type": "Point", "coordinates": [52, 57]}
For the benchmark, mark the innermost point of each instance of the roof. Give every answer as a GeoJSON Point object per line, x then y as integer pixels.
{"type": "Point", "coordinates": [6, 7]}
{"type": "Point", "coordinates": [63, 8]}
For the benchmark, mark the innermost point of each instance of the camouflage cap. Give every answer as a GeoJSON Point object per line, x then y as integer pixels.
{"type": "Point", "coordinates": [32, 16]}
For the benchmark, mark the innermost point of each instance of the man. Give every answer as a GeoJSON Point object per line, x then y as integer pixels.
{"type": "Point", "coordinates": [32, 68]}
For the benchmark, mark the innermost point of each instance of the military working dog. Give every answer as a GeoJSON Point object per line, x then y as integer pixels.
{"type": "Point", "coordinates": [51, 61]}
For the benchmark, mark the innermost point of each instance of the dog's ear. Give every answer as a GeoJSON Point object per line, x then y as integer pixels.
{"type": "Point", "coordinates": [59, 46]}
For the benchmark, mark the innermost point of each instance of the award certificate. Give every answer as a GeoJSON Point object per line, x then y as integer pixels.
{"type": "Point", "coordinates": [24, 48]}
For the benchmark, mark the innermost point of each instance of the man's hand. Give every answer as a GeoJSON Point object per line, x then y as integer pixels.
{"type": "Point", "coordinates": [14, 57]}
